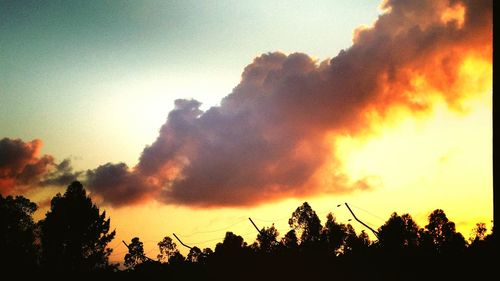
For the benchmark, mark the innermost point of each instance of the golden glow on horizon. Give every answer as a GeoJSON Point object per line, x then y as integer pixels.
{"type": "Point", "coordinates": [439, 161]}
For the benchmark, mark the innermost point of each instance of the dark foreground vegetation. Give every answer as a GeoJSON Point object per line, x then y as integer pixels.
{"type": "Point", "coordinates": [72, 241]}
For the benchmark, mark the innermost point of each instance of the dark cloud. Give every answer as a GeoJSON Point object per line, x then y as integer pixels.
{"type": "Point", "coordinates": [21, 167]}
{"type": "Point", "coordinates": [118, 185]}
{"type": "Point", "coordinates": [62, 175]}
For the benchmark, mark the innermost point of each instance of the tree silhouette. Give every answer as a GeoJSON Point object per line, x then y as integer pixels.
{"type": "Point", "coordinates": [478, 232]}
{"type": "Point", "coordinates": [266, 239]}
{"type": "Point", "coordinates": [398, 232]}
{"type": "Point", "coordinates": [168, 249]}
{"type": "Point", "coordinates": [355, 243]}
{"type": "Point", "coordinates": [232, 244]}
{"type": "Point", "coordinates": [443, 234]}
{"type": "Point", "coordinates": [195, 255]}
{"type": "Point", "coordinates": [135, 255]}
{"type": "Point", "coordinates": [305, 222]}
{"type": "Point", "coordinates": [290, 240]}
{"type": "Point", "coordinates": [333, 234]}
{"type": "Point", "coordinates": [17, 233]}
{"type": "Point", "coordinates": [482, 246]}
{"type": "Point", "coordinates": [74, 234]}
{"type": "Point", "coordinates": [207, 252]}
{"type": "Point", "coordinates": [176, 258]}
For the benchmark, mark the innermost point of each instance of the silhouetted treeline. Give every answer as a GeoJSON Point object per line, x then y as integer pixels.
{"type": "Point", "coordinates": [73, 239]}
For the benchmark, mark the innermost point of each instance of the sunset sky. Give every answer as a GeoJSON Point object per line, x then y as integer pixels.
{"type": "Point", "coordinates": [191, 116]}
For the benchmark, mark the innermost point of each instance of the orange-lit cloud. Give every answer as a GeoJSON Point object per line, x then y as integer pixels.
{"type": "Point", "coordinates": [271, 138]}
{"type": "Point", "coordinates": [22, 168]}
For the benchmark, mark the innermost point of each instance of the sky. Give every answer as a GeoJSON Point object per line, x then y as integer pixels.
{"type": "Point", "coordinates": [191, 116]}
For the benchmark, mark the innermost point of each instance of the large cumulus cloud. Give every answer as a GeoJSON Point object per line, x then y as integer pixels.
{"type": "Point", "coordinates": [271, 137]}
{"type": "Point", "coordinates": [274, 136]}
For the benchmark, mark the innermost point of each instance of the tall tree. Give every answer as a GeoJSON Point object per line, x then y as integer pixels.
{"type": "Point", "coordinates": [306, 223]}
{"type": "Point", "coordinates": [75, 234]}
{"type": "Point", "coordinates": [17, 233]}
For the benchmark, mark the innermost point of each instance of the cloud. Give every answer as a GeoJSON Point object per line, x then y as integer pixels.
{"type": "Point", "coordinates": [274, 136]}
{"type": "Point", "coordinates": [21, 167]}
{"type": "Point", "coordinates": [62, 175]}
{"type": "Point", "coordinates": [269, 138]}
{"type": "Point", "coordinates": [20, 164]}
{"type": "Point", "coordinates": [118, 185]}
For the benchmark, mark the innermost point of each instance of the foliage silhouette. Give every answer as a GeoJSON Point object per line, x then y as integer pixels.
{"type": "Point", "coordinates": [267, 239]}
{"type": "Point", "coordinates": [74, 237]}
{"type": "Point", "coordinates": [195, 255]}
{"type": "Point", "coordinates": [355, 243]}
{"type": "Point", "coordinates": [305, 222]}
{"type": "Point", "coordinates": [478, 232]}
{"type": "Point", "coordinates": [17, 233]}
{"type": "Point", "coordinates": [334, 234]}
{"type": "Point", "coordinates": [135, 255]}
{"type": "Point", "coordinates": [443, 234]}
{"type": "Point", "coordinates": [290, 240]}
{"type": "Point", "coordinates": [399, 232]}
{"type": "Point", "coordinates": [231, 245]}
{"type": "Point", "coordinates": [168, 249]}
{"type": "Point", "coordinates": [74, 234]}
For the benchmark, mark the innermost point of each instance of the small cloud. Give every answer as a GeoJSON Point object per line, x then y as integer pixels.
{"type": "Point", "coordinates": [61, 175]}
{"type": "Point", "coordinates": [23, 169]}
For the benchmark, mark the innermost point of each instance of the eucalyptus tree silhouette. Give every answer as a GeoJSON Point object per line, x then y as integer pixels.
{"type": "Point", "coordinates": [75, 234]}
{"type": "Point", "coordinates": [168, 249]}
{"type": "Point", "coordinates": [306, 223]}
{"type": "Point", "coordinates": [443, 234]}
{"type": "Point", "coordinates": [135, 255]}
